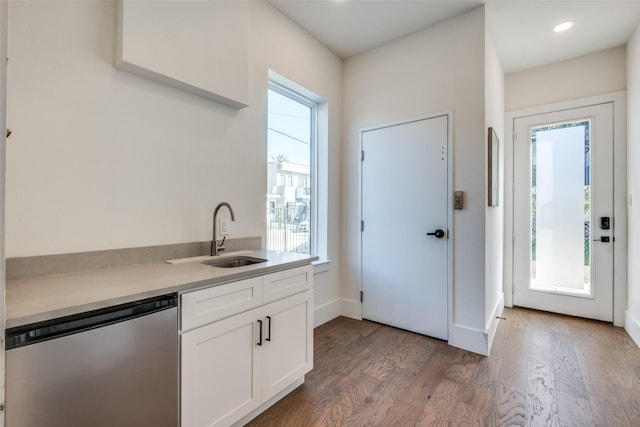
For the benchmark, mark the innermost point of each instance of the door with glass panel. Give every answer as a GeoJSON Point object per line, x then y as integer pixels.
{"type": "Point", "coordinates": [563, 212]}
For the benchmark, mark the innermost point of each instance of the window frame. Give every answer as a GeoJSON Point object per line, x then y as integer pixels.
{"type": "Point", "coordinates": [313, 161]}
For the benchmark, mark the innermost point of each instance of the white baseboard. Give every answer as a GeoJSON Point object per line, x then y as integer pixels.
{"type": "Point", "coordinates": [469, 339]}
{"type": "Point", "coordinates": [326, 312]}
{"type": "Point", "coordinates": [351, 308]}
{"type": "Point", "coordinates": [632, 326]}
{"type": "Point", "coordinates": [492, 326]}
{"type": "Point", "coordinates": [338, 307]}
{"type": "Point", "coordinates": [463, 337]}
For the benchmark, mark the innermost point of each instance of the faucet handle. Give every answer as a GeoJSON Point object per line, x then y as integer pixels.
{"type": "Point", "coordinates": [220, 247]}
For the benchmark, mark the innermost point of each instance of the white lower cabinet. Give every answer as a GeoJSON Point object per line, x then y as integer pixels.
{"type": "Point", "coordinates": [221, 371]}
{"type": "Point", "coordinates": [287, 353]}
{"type": "Point", "coordinates": [232, 366]}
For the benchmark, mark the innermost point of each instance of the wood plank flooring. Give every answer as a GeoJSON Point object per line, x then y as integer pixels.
{"type": "Point", "coordinates": [544, 370]}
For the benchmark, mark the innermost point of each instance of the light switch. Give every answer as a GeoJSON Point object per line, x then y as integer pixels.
{"type": "Point", "coordinates": [223, 226]}
{"type": "Point", "coordinates": [458, 200]}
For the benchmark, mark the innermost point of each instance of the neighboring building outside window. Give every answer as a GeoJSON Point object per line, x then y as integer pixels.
{"type": "Point", "coordinates": [291, 145]}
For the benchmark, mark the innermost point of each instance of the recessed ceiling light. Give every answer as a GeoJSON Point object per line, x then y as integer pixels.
{"type": "Point", "coordinates": [563, 27]}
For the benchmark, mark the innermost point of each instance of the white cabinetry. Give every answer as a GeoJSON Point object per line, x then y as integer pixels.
{"type": "Point", "coordinates": [221, 371]}
{"type": "Point", "coordinates": [236, 357]}
{"type": "Point", "coordinates": [218, 302]}
{"type": "Point", "coordinates": [284, 283]}
{"type": "Point", "coordinates": [201, 47]}
{"type": "Point", "coordinates": [288, 350]}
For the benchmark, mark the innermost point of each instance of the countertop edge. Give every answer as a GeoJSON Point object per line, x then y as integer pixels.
{"type": "Point", "coordinates": [179, 286]}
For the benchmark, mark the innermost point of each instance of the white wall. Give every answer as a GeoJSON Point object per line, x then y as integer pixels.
{"type": "Point", "coordinates": [104, 159]}
{"type": "Point", "coordinates": [494, 224]}
{"type": "Point", "coordinates": [595, 74]}
{"type": "Point", "coordinates": [434, 70]}
{"type": "Point", "coordinates": [632, 318]}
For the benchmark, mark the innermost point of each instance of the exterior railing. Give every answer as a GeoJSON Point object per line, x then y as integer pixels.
{"type": "Point", "coordinates": [288, 229]}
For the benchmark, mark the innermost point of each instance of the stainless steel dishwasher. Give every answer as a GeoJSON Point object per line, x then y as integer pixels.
{"type": "Point", "coordinates": [110, 367]}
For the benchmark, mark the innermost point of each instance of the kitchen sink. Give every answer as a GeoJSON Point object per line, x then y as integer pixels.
{"type": "Point", "coordinates": [232, 262]}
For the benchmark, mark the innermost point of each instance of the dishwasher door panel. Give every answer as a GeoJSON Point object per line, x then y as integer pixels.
{"type": "Point", "coordinates": [123, 374]}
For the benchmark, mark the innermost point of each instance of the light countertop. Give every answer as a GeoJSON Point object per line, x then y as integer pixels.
{"type": "Point", "coordinates": [48, 297]}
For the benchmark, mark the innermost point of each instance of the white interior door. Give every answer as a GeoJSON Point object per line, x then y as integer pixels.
{"type": "Point", "coordinates": [404, 197]}
{"type": "Point", "coordinates": [563, 212]}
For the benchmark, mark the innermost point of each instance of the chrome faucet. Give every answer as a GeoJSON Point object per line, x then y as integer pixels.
{"type": "Point", "coordinates": [215, 248]}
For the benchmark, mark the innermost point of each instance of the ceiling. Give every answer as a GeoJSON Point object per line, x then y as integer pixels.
{"type": "Point", "coordinates": [522, 30]}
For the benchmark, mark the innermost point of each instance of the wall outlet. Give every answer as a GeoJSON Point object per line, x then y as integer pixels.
{"type": "Point", "coordinates": [223, 227]}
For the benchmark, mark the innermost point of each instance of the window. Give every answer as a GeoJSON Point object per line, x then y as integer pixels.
{"type": "Point", "coordinates": [291, 145]}
{"type": "Point", "coordinates": [561, 207]}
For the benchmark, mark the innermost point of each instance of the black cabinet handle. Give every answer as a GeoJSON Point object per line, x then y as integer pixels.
{"type": "Point", "coordinates": [268, 329]}
{"type": "Point", "coordinates": [260, 340]}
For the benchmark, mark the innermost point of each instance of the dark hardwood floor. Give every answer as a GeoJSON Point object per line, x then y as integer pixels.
{"type": "Point", "coordinates": [544, 370]}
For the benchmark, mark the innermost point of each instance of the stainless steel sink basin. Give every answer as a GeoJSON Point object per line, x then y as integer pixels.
{"type": "Point", "coordinates": [232, 262]}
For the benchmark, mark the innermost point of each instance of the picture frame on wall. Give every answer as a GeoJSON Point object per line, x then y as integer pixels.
{"type": "Point", "coordinates": [493, 159]}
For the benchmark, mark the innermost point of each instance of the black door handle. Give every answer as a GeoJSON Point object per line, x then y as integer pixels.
{"type": "Point", "coordinates": [438, 233]}
{"type": "Point", "coordinates": [260, 340]}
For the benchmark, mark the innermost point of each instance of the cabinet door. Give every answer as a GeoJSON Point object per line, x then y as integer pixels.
{"type": "Point", "coordinates": [221, 371]}
{"type": "Point", "coordinates": [288, 348]}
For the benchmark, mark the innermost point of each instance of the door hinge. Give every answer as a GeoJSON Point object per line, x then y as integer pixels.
{"type": "Point", "coordinates": [362, 156]}
{"type": "Point", "coordinates": [361, 225]}
{"type": "Point", "coordinates": [361, 296]}
{"type": "Point", "coordinates": [513, 237]}
{"type": "Point", "coordinates": [513, 137]}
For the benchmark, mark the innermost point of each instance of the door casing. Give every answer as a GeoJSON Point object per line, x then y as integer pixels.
{"type": "Point", "coordinates": [619, 100]}
{"type": "Point", "coordinates": [450, 231]}
{"type": "Point", "coordinates": [4, 21]}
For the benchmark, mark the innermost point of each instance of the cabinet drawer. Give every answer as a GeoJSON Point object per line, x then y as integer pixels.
{"type": "Point", "coordinates": [288, 282]}
{"type": "Point", "coordinates": [207, 305]}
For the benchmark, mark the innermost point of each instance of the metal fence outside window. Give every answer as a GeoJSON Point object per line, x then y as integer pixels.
{"type": "Point", "coordinates": [288, 229]}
